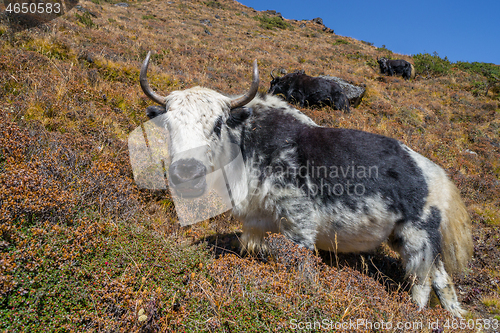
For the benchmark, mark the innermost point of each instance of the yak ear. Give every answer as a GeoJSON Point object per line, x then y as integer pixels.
{"type": "Point", "coordinates": [238, 116]}
{"type": "Point", "coordinates": [154, 111]}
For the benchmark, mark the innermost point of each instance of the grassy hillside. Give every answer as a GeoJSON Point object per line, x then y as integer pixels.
{"type": "Point", "coordinates": [82, 248]}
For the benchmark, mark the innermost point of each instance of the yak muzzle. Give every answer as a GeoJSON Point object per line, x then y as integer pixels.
{"type": "Point", "coordinates": [187, 178]}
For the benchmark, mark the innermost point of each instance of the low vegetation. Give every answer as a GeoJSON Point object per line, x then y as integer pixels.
{"type": "Point", "coordinates": [83, 249]}
{"type": "Point", "coordinates": [272, 22]}
{"type": "Point", "coordinates": [427, 64]}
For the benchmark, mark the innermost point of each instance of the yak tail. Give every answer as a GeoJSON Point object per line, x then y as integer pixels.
{"type": "Point", "coordinates": [455, 228]}
{"type": "Point", "coordinates": [412, 75]}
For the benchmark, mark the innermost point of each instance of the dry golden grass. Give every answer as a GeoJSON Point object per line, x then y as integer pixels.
{"type": "Point", "coordinates": [81, 248]}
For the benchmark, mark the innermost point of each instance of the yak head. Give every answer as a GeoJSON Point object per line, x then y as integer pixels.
{"type": "Point", "coordinates": [194, 119]}
{"type": "Point", "coordinates": [281, 84]}
{"type": "Point", "coordinates": [383, 64]}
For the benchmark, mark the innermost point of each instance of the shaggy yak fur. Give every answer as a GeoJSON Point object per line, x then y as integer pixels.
{"type": "Point", "coordinates": [328, 188]}
{"type": "Point", "coordinates": [402, 67]}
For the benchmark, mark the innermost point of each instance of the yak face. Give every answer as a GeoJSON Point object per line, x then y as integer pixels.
{"type": "Point", "coordinates": [277, 87]}
{"type": "Point", "coordinates": [384, 68]}
{"type": "Point", "coordinates": [193, 119]}
{"type": "Point", "coordinates": [281, 85]}
{"type": "Point", "coordinates": [190, 123]}
{"type": "Point", "coordinates": [293, 87]}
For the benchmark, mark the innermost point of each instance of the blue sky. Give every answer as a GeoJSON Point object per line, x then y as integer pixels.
{"type": "Point", "coordinates": [461, 30]}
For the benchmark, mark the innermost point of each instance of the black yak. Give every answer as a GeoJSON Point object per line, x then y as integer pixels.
{"type": "Point", "coordinates": [306, 90]}
{"type": "Point", "coordinates": [398, 66]}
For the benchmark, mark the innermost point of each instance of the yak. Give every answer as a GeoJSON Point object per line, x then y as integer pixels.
{"type": "Point", "coordinates": [398, 66]}
{"type": "Point", "coordinates": [306, 90]}
{"type": "Point", "coordinates": [334, 189]}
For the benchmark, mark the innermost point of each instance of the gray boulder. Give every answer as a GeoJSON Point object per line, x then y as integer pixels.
{"type": "Point", "coordinates": [354, 93]}
{"type": "Point", "coordinates": [318, 20]}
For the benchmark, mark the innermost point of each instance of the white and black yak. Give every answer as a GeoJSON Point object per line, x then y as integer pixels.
{"type": "Point", "coordinates": [327, 188]}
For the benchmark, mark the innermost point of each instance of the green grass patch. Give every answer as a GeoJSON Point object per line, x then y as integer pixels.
{"type": "Point", "coordinates": [481, 68]}
{"type": "Point", "coordinates": [431, 64]}
{"type": "Point", "coordinates": [49, 290]}
{"type": "Point", "coordinates": [340, 42]}
{"type": "Point", "coordinates": [272, 22]}
{"type": "Point", "coordinates": [491, 74]}
{"type": "Point", "coordinates": [116, 71]}
{"type": "Point", "coordinates": [93, 274]}
{"type": "Point", "coordinates": [493, 304]}
{"type": "Point", "coordinates": [86, 20]}
{"type": "Point", "coordinates": [51, 49]}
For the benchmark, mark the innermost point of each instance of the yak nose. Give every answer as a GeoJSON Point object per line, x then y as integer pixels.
{"type": "Point", "coordinates": [187, 176]}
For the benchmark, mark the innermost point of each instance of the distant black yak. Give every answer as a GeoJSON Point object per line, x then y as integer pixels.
{"type": "Point", "coordinates": [307, 90]}
{"type": "Point", "coordinates": [397, 66]}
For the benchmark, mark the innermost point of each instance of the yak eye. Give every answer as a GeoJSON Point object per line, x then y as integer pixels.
{"type": "Point", "coordinates": [217, 126]}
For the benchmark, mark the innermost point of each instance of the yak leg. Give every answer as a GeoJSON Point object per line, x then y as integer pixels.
{"type": "Point", "coordinates": [297, 221]}
{"type": "Point", "coordinates": [417, 252]}
{"type": "Point", "coordinates": [421, 258]}
{"type": "Point", "coordinates": [445, 290]}
{"type": "Point", "coordinates": [255, 229]}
